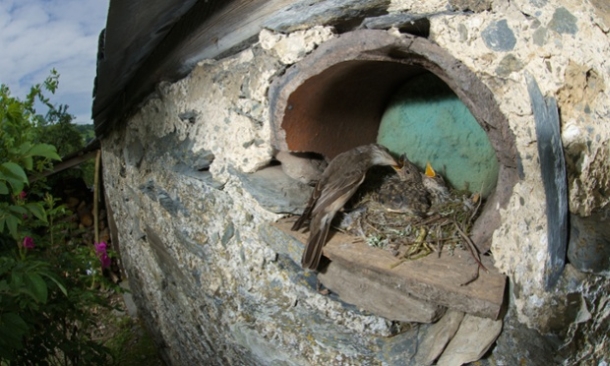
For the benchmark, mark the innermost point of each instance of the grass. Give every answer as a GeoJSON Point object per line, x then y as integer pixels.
{"type": "Point", "coordinates": [131, 344]}
{"type": "Point", "coordinates": [128, 340]}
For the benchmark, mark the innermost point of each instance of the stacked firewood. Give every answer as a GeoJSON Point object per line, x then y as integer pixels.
{"type": "Point", "coordinates": [79, 198]}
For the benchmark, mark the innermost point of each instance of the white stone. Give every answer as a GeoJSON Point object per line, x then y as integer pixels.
{"type": "Point", "coordinates": [293, 47]}
{"type": "Point", "coordinates": [417, 6]}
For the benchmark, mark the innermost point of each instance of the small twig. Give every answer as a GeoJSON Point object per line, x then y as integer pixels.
{"type": "Point", "coordinates": [396, 264]}
{"type": "Point", "coordinates": [432, 219]}
{"type": "Point", "coordinates": [372, 227]}
{"type": "Point", "coordinates": [449, 238]}
{"type": "Point", "coordinates": [473, 278]}
{"type": "Point", "coordinates": [470, 245]}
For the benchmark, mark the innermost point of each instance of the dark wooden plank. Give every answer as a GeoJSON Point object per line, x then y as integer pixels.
{"type": "Point", "coordinates": [376, 297]}
{"type": "Point", "coordinates": [430, 279]}
{"type": "Point", "coordinates": [63, 165]}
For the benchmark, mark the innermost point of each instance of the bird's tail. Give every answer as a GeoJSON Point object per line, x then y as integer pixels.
{"type": "Point", "coordinates": [313, 250]}
{"type": "Point", "coordinates": [306, 215]}
{"type": "Point", "coordinates": [302, 220]}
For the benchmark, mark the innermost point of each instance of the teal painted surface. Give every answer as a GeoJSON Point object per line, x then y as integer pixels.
{"type": "Point", "coordinates": [428, 122]}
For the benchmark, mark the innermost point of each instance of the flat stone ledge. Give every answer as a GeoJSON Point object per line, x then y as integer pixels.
{"type": "Point", "coordinates": [430, 279]}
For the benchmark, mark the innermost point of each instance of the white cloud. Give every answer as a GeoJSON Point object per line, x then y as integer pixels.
{"type": "Point", "coordinates": [38, 35]}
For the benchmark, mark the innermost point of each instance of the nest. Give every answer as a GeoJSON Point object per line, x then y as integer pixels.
{"type": "Point", "coordinates": [443, 229]}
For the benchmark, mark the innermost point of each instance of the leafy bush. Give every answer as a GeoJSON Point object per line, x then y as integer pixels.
{"type": "Point", "coordinates": [48, 277]}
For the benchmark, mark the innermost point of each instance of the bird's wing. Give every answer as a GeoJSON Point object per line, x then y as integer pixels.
{"type": "Point", "coordinates": [338, 191]}
{"type": "Point", "coordinates": [306, 215]}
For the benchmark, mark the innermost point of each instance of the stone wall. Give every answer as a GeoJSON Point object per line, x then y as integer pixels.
{"type": "Point", "coordinates": [209, 273]}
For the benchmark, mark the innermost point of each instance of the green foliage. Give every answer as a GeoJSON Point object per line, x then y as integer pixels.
{"type": "Point", "coordinates": [131, 344]}
{"type": "Point", "coordinates": [58, 130]}
{"type": "Point", "coordinates": [48, 277]}
{"type": "Point", "coordinates": [87, 132]}
{"type": "Point", "coordinates": [21, 151]}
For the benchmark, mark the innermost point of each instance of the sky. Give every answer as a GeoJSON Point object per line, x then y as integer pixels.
{"type": "Point", "coordinates": [39, 35]}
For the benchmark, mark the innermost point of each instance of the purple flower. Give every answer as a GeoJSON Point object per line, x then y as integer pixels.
{"type": "Point", "coordinates": [22, 195]}
{"type": "Point", "coordinates": [102, 254]}
{"type": "Point", "coordinates": [105, 260]}
{"type": "Point", "coordinates": [28, 243]}
{"type": "Point", "coordinates": [100, 247]}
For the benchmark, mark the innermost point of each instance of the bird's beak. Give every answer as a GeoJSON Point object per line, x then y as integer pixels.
{"type": "Point", "coordinates": [429, 171]}
{"type": "Point", "coordinates": [398, 166]}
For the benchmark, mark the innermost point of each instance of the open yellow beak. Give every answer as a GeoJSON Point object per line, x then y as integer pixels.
{"type": "Point", "coordinates": [429, 171]}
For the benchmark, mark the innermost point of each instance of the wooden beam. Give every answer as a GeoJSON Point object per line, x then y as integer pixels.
{"type": "Point", "coordinates": [63, 165]}
{"type": "Point", "coordinates": [429, 279]}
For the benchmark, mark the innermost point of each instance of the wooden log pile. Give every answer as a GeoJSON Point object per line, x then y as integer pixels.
{"type": "Point", "coordinates": [79, 199]}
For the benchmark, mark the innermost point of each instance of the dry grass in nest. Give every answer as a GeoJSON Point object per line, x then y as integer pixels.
{"type": "Point", "coordinates": [446, 228]}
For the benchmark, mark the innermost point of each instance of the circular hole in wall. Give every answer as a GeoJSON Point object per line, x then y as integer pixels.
{"type": "Point", "coordinates": [410, 95]}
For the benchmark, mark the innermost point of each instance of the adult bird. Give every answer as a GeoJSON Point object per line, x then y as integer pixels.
{"type": "Point", "coordinates": [338, 184]}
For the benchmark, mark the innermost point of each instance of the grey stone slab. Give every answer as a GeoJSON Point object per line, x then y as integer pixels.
{"type": "Point", "coordinates": [274, 190]}
{"type": "Point", "coordinates": [437, 337]}
{"type": "Point", "coordinates": [305, 14]}
{"type": "Point", "coordinates": [554, 178]}
{"type": "Point", "coordinates": [417, 24]}
{"type": "Point", "coordinates": [400, 350]}
{"type": "Point", "coordinates": [473, 338]}
{"type": "Point", "coordinates": [519, 345]}
{"type": "Point", "coordinates": [589, 243]}
{"type": "Point", "coordinates": [281, 243]}
{"type": "Point", "coordinates": [301, 167]}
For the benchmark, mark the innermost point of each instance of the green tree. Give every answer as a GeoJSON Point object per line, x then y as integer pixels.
{"type": "Point", "coordinates": [47, 275]}
{"type": "Point", "coordinates": [87, 132]}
